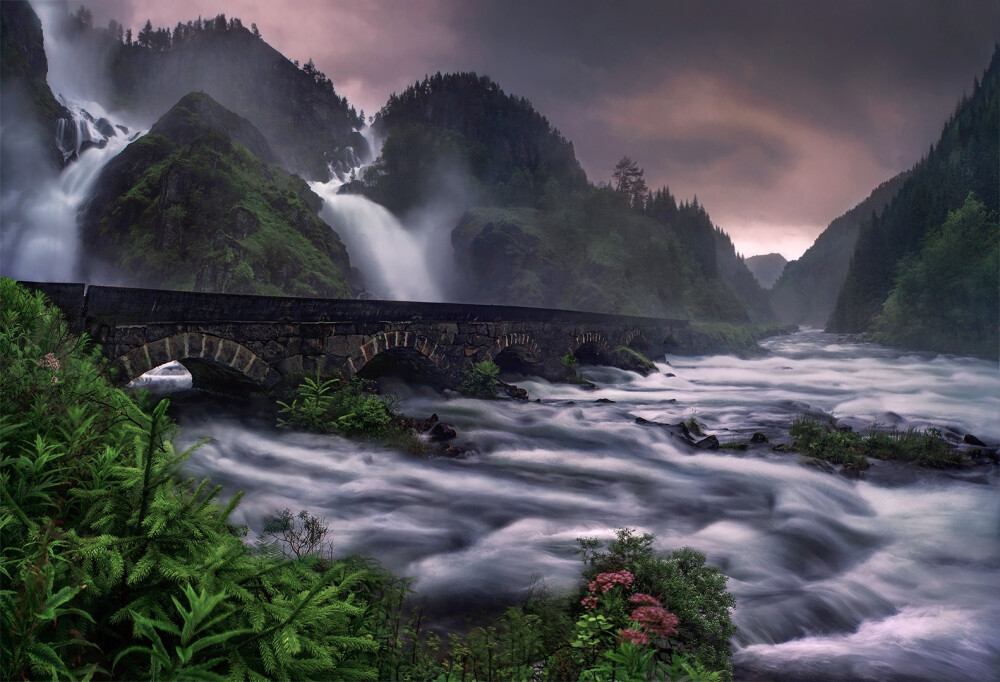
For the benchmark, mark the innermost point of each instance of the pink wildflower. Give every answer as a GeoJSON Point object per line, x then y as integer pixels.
{"type": "Point", "coordinates": [633, 636]}
{"type": "Point", "coordinates": [655, 620]}
{"type": "Point", "coordinates": [607, 581]}
{"type": "Point", "coordinates": [589, 603]}
{"type": "Point", "coordinates": [55, 380]}
{"type": "Point", "coordinates": [48, 362]}
{"type": "Point", "coordinates": [641, 598]}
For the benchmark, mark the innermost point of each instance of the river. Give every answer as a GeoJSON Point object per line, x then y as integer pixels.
{"type": "Point", "coordinates": [893, 576]}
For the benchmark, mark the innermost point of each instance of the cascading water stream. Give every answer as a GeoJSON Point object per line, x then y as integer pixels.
{"type": "Point", "coordinates": [41, 230]}
{"type": "Point", "coordinates": [892, 577]}
{"type": "Point", "coordinates": [40, 238]}
{"type": "Point", "coordinates": [392, 259]}
{"type": "Point", "coordinates": [397, 261]}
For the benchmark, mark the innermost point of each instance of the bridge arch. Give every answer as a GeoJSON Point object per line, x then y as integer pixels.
{"type": "Point", "coordinates": [635, 338]}
{"type": "Point", "coordinates": [387, 342]}
{"type": "Point", "coordinates": [214, 361]}
{"type": "Point", "coordinates": [520, 340]}
{"type": "Point", "coordinates": [590, 347]}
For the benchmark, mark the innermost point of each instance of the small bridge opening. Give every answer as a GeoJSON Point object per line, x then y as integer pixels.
{"type": "Point", "coordinates": [170, 377]}
{"type": "Point", "coordinates": [195, 373]}
{"type": "Point", "coordinates": [516, 360]}
{"type": "Point", "coordinates": [403, 363]}
{"type": "Point", "coordinates": [592, 353]}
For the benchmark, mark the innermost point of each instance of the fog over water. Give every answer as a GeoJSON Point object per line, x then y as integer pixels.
{"type": "Point", "coordinates": [889, 577]}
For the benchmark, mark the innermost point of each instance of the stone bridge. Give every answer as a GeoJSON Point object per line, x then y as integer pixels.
{"type": "Point", "coordinates": [234, 343]}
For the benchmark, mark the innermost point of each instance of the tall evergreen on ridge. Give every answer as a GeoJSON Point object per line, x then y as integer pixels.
{"type": "Point", "coordinates": [964, 160]}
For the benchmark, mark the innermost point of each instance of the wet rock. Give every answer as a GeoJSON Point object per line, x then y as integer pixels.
{"type": "Point", "coordinates": [669, 374]}
{"type": "Point", "coordinates": [517, 393]}
{"type": "Point", "coordinates": [452, 451]}
{"type": "Point", "coordinates": [685, 431]}
{"type": "Point", "coordinates": [708, 443]}
{"type": "Point", "coordinates": [604, 400]}
{"type": "Point", "coordinates": [427, 424]}
{"type": "Point", "coordinates": [441, 432]}
{"type": "Point", "coordinates": [758, 437]}
{"type": "Point", "coordinates": [850, 471]}
{"type": "Point", "coordinates": [781, 447]}
{"type": "Point", "coordinates": [105, 128]}
{"type": "Point", "coordinates": [972, 440]}
{"type": "Point", "coordinates": [122, 128]}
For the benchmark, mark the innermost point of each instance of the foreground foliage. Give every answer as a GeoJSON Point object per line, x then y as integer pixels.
{"type": "Point", "coordinates": [115, 568]}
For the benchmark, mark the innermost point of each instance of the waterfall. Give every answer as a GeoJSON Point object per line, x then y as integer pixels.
{"type": "Point", "coordinates": [40, 238]}
{"type": "Point", "coordinates": [41, 224]}
{"type": "Point", "coordinates": [392, 259]}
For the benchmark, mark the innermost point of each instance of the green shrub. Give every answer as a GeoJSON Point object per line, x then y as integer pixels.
{"type": "Point", "coordinates": [925, 448]}
{"type": "Point", "coordinates": [683, 583]}
{"type": "Point", "coordinates": [114, 566]}
{"type": "Point", "coordinates": [479, 379]}
{"type": "Point", "coordinates": [328, 405]}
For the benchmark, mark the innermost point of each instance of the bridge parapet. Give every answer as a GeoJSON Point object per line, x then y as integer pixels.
{"type": "Point", "coordinates": [258, 340]}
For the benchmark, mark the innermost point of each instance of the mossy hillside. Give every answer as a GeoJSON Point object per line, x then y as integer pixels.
{"type": "Point", "coordinates": [585, 254]}
{"type": "Point", "coordinates": [192, 206]}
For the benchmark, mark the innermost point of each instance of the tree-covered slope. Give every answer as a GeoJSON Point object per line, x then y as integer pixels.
{"type": "Point", "coordinates": [964, 160]}
{"type": "Point", "coordinates": [592, 254]}
{"type": "Point", "coordinates": [306, 121]}
{"type": "Point", "coordinates": [947, 295]}
{"type": "Point", "coordinates": [198, 203]}
{"type": "Point", "coordinates": [807, 289]}
{"type": "Point", "coordinates": [536, 232]}
{"type": "Point", "coordinates": [465, 125]}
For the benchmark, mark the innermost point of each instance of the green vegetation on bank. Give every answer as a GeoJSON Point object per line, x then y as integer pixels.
{"type": "Point", "coordinates": [852, 449]}
{"type": "Point", "coordinates": [117, 567]}
{"type": "Point", "coordinates": [947, 295]}
{"type": "Point", "coordinates": [195, 204]}
{"type": "Point", "coordinates": [952, 257]}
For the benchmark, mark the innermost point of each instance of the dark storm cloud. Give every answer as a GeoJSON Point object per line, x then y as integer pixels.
{"type": "Point", "coordinates": [781, 114]}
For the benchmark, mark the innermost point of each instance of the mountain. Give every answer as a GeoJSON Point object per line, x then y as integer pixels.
{"type": "Point", "coordinates": [534, 230]}
{"type": "Point", "coordinates": [908, 232]}
{"type": "Point", "coordinates": [310, 127]}
{"type": "Point", "coordinates": [200, 203]}
{"type": "Point", "coordinates": [466, 127]}
{"type": "Point", "coordinates": [807, 289]}
{"type": "Point", "coordinates": [766, 268]}
{"type": "Point", "coordinates": [30, 112]}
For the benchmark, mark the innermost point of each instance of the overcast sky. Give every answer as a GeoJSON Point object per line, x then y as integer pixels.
{"type": "Point", "coordinates": [779, 116]}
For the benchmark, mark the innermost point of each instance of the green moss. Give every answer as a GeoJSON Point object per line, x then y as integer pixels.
{"type": "Point", "coordinates": [173, 223]}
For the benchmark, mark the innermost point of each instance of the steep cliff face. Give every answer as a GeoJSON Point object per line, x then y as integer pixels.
{"type": "Point", "coordinates": [30, 112]}
{"type": "Point", "coordinates": [198, 203]}
{"type": "Point", "coordinates": [807, 289]}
